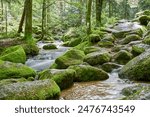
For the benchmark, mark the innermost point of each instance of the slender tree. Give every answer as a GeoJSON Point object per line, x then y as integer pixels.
{"type": "Point", "coordinates": [88, 16]}
{"type": "Point", "coordinates": [99, 4]}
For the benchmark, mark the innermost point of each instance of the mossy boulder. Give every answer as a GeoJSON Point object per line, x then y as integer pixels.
{"type": "Point", "coordinates": [63, 78]}
{"type": "Point", "coordinates": [15, 70]}
{"type": "Point", "coordinates": [83, 45]}
{"type": "Point", "coordinates": [144, 19]}
{"type": "Point", "coordinates": [109, 37]}
{"type": "Point", "coordinates": [14, 54]}
{"type": "Point", "coordinates": [97, 58]}
{"type": "Point", "coordinates": [122, 57]}
{"type": "Point", "coordinates": [108, 67]}
{"type": "Point", "coordinates": [138, 68]}
{"type": "Point", "coordinates": [91, 49]}
{"type": "Point", "coordinates": [73, 42]}
{"type": "Point", "coordinates": [31, 90]}
{"type": "Point", "coordinates": [10, 81]}
{"type": "Point", "coordinates": [137, 50]}
{"type": "Point", "coordinates": [31, 49]}
{"type": "Point", "coordinates": [129, 38]}
{"type": "Point", "coordinates": [147, 40]}
{"type": "Point", "coordinates": [49, 46]}
{"type": "Point", "coordinates": [106, 44]}
{"type": "Point", "coordinates": [94, 38]}
{"type": "Point", "coordinates": [86, 73]}
{"type": "Point", "coordinates": [71, 57]}
{"type": "Point", "coordinates": [138, 92]}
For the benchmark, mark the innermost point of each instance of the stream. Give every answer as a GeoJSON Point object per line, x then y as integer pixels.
{"type": "Point", "coordinates": [96, 90]}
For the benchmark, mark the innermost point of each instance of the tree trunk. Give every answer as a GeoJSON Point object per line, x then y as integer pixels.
{"type": "Point", "coordinates": [2, 14]}
{"type": "Point", "coordinates": [28, 20]}
{"type": "Point", "coordinates": [81, 11]}
{"type": "Point", "coordinates": [88, 16]}
{"type": "Point", "coordinates": [44, 19]}
{"type": "Point", "coordinates": [6, 19]}
{"type": "Point", "coordinates": [98, 12]}
{"type": "Point", "coordinates": [20, 29]}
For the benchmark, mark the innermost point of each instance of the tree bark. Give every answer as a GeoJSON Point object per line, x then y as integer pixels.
{"type": "Point", "coordinates": [44, 19]}
{"type": "Point", "coordinates": [88, 16]}
{"type": "Point", "coordinates": [99, 4]}
{"type": "Point", "coordinates": [28, 20]}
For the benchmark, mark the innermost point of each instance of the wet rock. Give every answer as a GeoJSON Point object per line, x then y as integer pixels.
{"type": "Point", "coordinates": [137, 50]}
{"type": "Point", "coordinates": [138, 68]}
{"type": "Point", "coordinates": [122, 57]}
{"type": "Point", "coordinates": [71, 57]}
{"type": "Point", "coordinates": [147, 40]}
{"type": "Point", "coordinates": [49, 46]}
{"type": "Point", "coordinates": [31, 90]}
{"type": "Point", "coordinates": [129, 38]}
{"type": "Point", "coordinates": [15, 70]}
{"type": "Point", "coordinates": [86, 73]}
{"type": "Point", "coordinates": [14, 54]}
{"type": "Point", "coordinates": [108, 67]}
{"type": "Point", "coordinates": [144, 19]}
{"type": "Point", "coordinates": [109, 37]}
{"type": "Point", "coordinates": [30, 49]}
{"type": "Point", "coordinates": [138, 92]}
{"type": "Point", "coordinates": [96, 58]}
{"type": "Point", "coordinates": [91, 49]}
{"type": "Point", "coordinates": [106, 44]}
{"type": "Point", "coordinates": [94, 38]}
{"type": "Point", "coordinates": [63, 78]}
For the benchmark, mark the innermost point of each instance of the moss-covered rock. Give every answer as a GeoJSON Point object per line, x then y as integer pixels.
{"type": "Point", "coordinates": [138, 92]}
{"type": "Point", "coordinates": [31, 90]}
{"type": "Point", "coordinates": [109, 37]}
{"type": "Point", "coordinates": [106, 44]}
{"type": "Point", "coordinates": [91, 49]}
{"type": "Point", "coordinates": [129, 38]}
{"type": "Point", "coordinates": [83, 45]}
{"type": "Point", "coordinates": [73, 42]}
{"type": "Point", "coordinates": [147, 40]}
{"type": "Point", "coordinates": [10, 81]}
{"type": "Point", "coordinates": [15, 70]}
{"type": "Point", "coordinates": [64, 78]}
{"type": "Point", "coordinates": [14, 54]}
{"type": "Point", "coordinates": [71, 57]}
{"type": "Point", "coordinates": [49, 46]}
{"type": "Point", "coordinates": [96, 58]}
{"type": "Point", "coordinates": [137, 50]}
{"type": "Point", "coordinates": [30, 49]}
{"type": "Point", "coordinates": [122, 57]}
{"type": "Point", "coordinates": [94, 38]}
{"type": "Point", "coordinates": [108, 67]}
{"type": "Point", "coordinates": [144, 19]}
{"type": "Point", "coordinates": [86, 73]}
{"type": "Point", "coordinates": [138, 68]}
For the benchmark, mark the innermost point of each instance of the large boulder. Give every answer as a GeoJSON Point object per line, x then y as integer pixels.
{"type": "Point", "coordinates": [49, 46]}
{"type": "Point", "coordinates": [97, 58]}
{"type": "Point", "coordinates": [30, 49]}
{"type": "Point", "coordinates": [136, 50]}
{"type": "Point", "coordinates": [94, 38]}
{"type": "Point", "coordinates": [129, 38]}
{"type": "Point", "coordinates": [32, 90]}
{"type": "Point", "coordinates": [71, 57]}
{"type": "Point", "coordinates": [106, 44]}
{"type": "Point", "coordinates": [144, 19]}
{"type": "Point", "coordinates": [15, 70]}
{"type": "Point", "coordinates": [64, 77]}
{"type": "Point", "coordinates": [91, 49]}
{"type": "Point", "coordinates": [138, 68]}
{"type": "Point", "coordinates": [122, 57]}
{"type": "Point", "coordinates": [14, 54]}
{"type": "Point", "coordinates": [73, 42]}
{"type": "Point", "coordinates": [108, 67]}
{"type": "Point", "coordinates": [86, 73]}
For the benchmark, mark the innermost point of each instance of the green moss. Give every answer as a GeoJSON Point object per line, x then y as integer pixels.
{"type": "Point", "coordinates": [137, 50]}
{"type": "Point", "coordinates": [106, 44]}
{"type": "Point", "coordinates": [129, 38]}
{"type": "Point", "coordinates": [94, 38]}
{"type": "Point", "coordinates": [30, 49]}
{"type": "Point", "coordinates": [71, 57]}
{"type": "Point", "coordinates": [108, 67]}
{"type": "Point", "coordinates": [97, 58]}
{"type": "Point", "coordinates": [14, 54]}
{"type": "Point", "coordinates": [31, 90]}
{"type": "Point", "coordinates": [122, 57]}
{"type": "Point", "coordinates": [83, 45]}
{"type": "Point", "coordinates": [49, 47]}
{"type": "Point", "coordinates": [73, 42]}
{"type": "Point", "coordinates": [91, 49]}
{"type": "Point", "coordinates": [147, 40]}
{"type": "Point", "coordinates": [10, 81]}
{"type": "Point", "coordinates": [86, 73]}
{"type": "Point", "coordinates": [144, 19]}
{"type": "Point", "coordinates": [15, 70]}
{"type": "Point", "coordinates": [64, 78]}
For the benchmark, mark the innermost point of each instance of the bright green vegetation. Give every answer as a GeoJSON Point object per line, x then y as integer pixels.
{"type": "Point", "coordinates": [15, 70]}
{"type": "Point", "coordinates": [31, 90]}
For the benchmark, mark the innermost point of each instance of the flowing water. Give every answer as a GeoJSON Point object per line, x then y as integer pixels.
{"type": "Point", "coordinates": [108, 89]}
